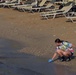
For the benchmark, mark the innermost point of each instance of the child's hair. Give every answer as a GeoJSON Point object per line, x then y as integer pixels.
{"type": "Point", "coordinates": [58, 40]}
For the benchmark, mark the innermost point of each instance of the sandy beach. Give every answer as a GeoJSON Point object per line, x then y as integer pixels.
{"type": "Point", "coordinates": [36, 35]}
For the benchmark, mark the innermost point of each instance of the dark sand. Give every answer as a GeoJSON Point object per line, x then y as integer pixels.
{"type": "Point", "coordinates": [28, 42]}
{"type": "Point", "coordinates": [14, 63]}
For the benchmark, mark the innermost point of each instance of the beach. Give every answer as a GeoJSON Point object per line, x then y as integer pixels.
{"type": "Point", "coordinates": [36, 37]}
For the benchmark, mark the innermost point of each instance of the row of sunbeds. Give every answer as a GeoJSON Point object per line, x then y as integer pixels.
{"type": "Point", "coordinates": [34, 6]}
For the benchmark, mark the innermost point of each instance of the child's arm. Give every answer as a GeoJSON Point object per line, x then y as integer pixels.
{"type": "Point", "coordinates": [51, 60]}
{"type": "Point", "coordinates": [55, 54]}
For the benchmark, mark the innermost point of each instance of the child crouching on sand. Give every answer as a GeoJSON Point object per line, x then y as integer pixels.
{"type": "Point", "coordinates": [64, 49]}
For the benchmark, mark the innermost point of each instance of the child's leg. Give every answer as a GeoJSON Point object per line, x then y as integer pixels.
{"type": "Point", "coordinates": [61, 56]}
{"type": "Point", "coordinates": [71, 56]}
{"type": "Point", "coordinates": [67, 55]}
{"type": "Point", "coordinates": [60, 53]}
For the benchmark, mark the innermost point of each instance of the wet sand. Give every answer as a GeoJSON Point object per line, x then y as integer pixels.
{"type": "Point", "coordinates": [34, 43]}
{"type": "Point", "coordinates": [14, 63]}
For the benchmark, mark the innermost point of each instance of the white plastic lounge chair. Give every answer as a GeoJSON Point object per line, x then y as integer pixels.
{"type": "Point", "coordinates": [6, 2]}
{"type": "Point", "coordinates": [72, 17]}
{"type": "Point", "coordinates": [12, 3]}
{"type": "Point", "coordinates": [42, 3]}
{"type": "Point", "coordinates": [41, 8]}
{"type": "Point", "coordinates": [58, 12]}
{"type": "Point", "coordinates": [55, 10]}
{"type": "Point", "coordinates": [37, 8]}
{"type": "Point", "coordinates": [28, 6]}
{"type": "Point", "coordinates": [9, 5]}
{"type": "Point", "coordinates": [25, 4]}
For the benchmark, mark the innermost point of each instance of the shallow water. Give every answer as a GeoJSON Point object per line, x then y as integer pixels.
{"type": "Point", "coordinates": [15, 63]}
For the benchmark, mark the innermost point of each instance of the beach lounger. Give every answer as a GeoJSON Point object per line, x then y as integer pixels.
{"type": "Point", "coordinates": [49, 5]}
{"type": "Point", "coordinates": [63, 11]}
{"type": "Point", "coordinates": [21, 5]}
{"type": "Point", "coordinates": [42, 3]}
{"type": "Point", "coordinates": [12, 3]}
{"type": "Point", "coordinates": [39, 7]}
{"type": "Point", "coordinates": [72, 17]}
{"type": "Point", "coordinates": [32, 9]}
{"type": "Point", "coordinates": [26, 7]}
{"type": "Point", "coordinates": [6, 2]}
{"type": "Point", "coordinates": [9, 5]}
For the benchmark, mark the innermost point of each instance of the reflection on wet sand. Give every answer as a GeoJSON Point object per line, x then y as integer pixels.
{"type": "Point", "coordinates": [9, 46]}
{"type": "Point", "coordinates": [15, 63]}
